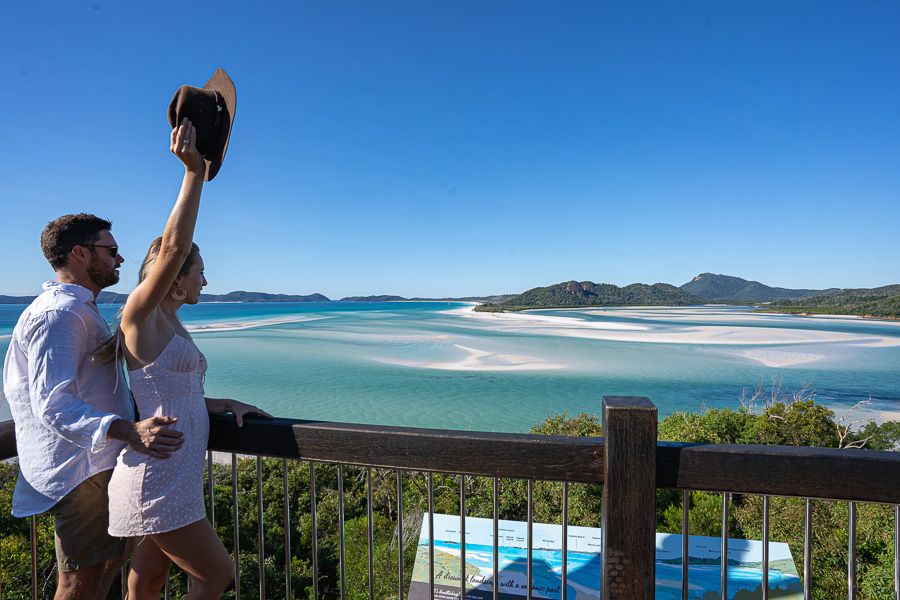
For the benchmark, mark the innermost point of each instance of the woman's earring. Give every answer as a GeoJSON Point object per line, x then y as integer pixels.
{"type": "Point", "coordinates": [178, 294]}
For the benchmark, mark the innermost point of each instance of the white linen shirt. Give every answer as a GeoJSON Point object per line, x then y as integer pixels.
{"type": "Point", "coordinates": [61, 401]}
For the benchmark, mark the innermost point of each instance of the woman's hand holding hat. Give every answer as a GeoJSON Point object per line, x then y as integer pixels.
{"type": "Point", "coordinates": [183, 144]}
{"type": "Point", "coordinates": [210, 109]}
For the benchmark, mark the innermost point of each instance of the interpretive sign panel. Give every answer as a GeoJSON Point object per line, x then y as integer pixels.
{"type": "Point", "coordinates": [583, 563]}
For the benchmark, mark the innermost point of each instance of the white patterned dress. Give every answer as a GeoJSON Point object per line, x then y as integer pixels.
{"type": "Point", "coordinates": [151, 495]}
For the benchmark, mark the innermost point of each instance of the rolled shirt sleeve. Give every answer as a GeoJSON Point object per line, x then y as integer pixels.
{"type": "Point", "coordinates": [58, 345]}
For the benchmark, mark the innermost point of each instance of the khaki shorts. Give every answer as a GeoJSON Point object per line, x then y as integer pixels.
{"type": "Point", "coordinates": [81, 520]}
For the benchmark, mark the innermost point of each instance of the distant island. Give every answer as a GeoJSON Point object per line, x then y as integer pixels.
{"type": "Point", "coordinates": [587, 293]}
{"type": "Point", "coordinates": [385, 298]}
{"type": "Point", "coordinates": [382, 298]}
{"type": "Point", "coordinates": [242, 296]}
{"type": "Point", "coordinates": [882, 302]}
{"type": "Point", "coordinates": [239, 296]}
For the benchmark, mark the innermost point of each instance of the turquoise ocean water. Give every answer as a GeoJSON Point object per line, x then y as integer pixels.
{"type": "Point", "coordinates": [431, 365]}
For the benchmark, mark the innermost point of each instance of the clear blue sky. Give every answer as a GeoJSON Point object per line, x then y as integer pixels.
{"type": "Point", "coordinates": [456, 148]}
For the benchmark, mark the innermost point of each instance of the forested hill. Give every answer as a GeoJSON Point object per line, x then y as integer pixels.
{"type": "Point", "coordinates": [242, 296]}
{"type": "Point", "coordinates": [588, 293]}
{"type": "Point", "coordinates": [866, 302]}
{"type": "Point", "coordinates": [725, 288]}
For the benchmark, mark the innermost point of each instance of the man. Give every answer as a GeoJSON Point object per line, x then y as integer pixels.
{"type": "Point", "coordinates": [73, 414]}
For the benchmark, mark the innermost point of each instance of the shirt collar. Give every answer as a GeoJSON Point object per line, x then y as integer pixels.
{"type": "Point", "coordinates": [73, 289]}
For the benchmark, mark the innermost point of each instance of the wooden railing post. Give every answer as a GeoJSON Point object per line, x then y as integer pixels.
{"type": "Point", "coordinates": [629, 499]}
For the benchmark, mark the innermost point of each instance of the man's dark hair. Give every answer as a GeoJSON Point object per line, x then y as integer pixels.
{"type": "Point", "coordinates": [64, 233]}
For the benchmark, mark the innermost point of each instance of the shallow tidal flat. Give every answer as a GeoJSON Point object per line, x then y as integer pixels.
{"type": "Point", "coordinates": [442, 365]}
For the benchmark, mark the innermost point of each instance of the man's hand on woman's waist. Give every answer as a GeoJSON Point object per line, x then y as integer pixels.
{"type": "Point", "coordinates": [150, 436]}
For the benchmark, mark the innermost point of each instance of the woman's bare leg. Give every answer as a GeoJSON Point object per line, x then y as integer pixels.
{"type": "Point", "coordinates": [199, 552]}
{"type": "Point", "coordinates": [149, 569]}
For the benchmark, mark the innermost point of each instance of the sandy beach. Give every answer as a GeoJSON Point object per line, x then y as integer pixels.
{"type": "Point", "coordinates": [780, 345]}
{"type": "Point", "coordinates": [691, 334]}
{"type": "Point", "coordinates": [883, 416]}
{"type": "Point", "coordinates": [720, 312]}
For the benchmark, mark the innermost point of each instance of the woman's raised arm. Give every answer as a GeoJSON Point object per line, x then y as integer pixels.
{"type": "Point", "coordinates": [178, 234]}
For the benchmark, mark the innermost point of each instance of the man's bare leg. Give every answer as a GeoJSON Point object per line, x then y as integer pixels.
{"type": "Point", "coordinates": [87, 583]}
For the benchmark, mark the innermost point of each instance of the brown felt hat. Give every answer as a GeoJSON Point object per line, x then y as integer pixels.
{"type": "Point", "coordinates": [211, 110]}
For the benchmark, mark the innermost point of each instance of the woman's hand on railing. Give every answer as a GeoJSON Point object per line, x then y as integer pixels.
{"type": "Point", "coordinates": [238, 409]}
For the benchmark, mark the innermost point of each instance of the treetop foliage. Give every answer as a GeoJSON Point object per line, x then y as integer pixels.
{"type": "Point", "coordinates": [793, 419]}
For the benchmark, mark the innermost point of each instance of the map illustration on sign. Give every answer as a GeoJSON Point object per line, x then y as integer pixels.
{"type": "Point", "coordinates": [583, 564]}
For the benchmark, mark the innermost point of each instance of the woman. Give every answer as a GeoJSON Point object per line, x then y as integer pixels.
{"type": "Point", "coordinates": [162, 500]}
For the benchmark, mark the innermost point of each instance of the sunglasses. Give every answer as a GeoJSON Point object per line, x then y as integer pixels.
{"type": "Point", "coordinates": [113, 250]}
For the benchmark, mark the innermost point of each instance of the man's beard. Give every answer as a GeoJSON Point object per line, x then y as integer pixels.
{"type": "Point", "coordinates": [102, 276]}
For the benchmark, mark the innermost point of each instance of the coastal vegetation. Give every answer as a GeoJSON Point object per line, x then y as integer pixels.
{"type": "Point", "coordinates": [794, 419]}
{"type": "Point", "coordinates": [881, 302]}
{"type": "Point", "coordinates": [587, 293]}
{"type": "Point", "coordinates": [729, 289]}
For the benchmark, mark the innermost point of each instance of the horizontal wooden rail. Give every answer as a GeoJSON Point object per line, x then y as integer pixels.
{"type": "Point", "coordinates": [860, 475]}
{"type": "Point", "coordinates": [827, 473]}
{"type": "Point", "coordinates": [526, 456]}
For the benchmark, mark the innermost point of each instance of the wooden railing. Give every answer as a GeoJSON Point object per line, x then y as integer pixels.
{"type": "Point", "coordinates": [628, 461]}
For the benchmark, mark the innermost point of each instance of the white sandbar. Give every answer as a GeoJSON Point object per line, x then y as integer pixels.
{"type": "Point", "coordinates": [480, 360]}
{"type": "Point", "coordinates": [728, 335]}
{"type": "Point", "coordinates": [238, 325]}
{"type": "Point", "coordinates": [780, 358]}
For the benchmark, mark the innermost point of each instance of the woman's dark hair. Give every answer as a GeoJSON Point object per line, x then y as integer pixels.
{"type": "Point", "coordinates": [64, 233]}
